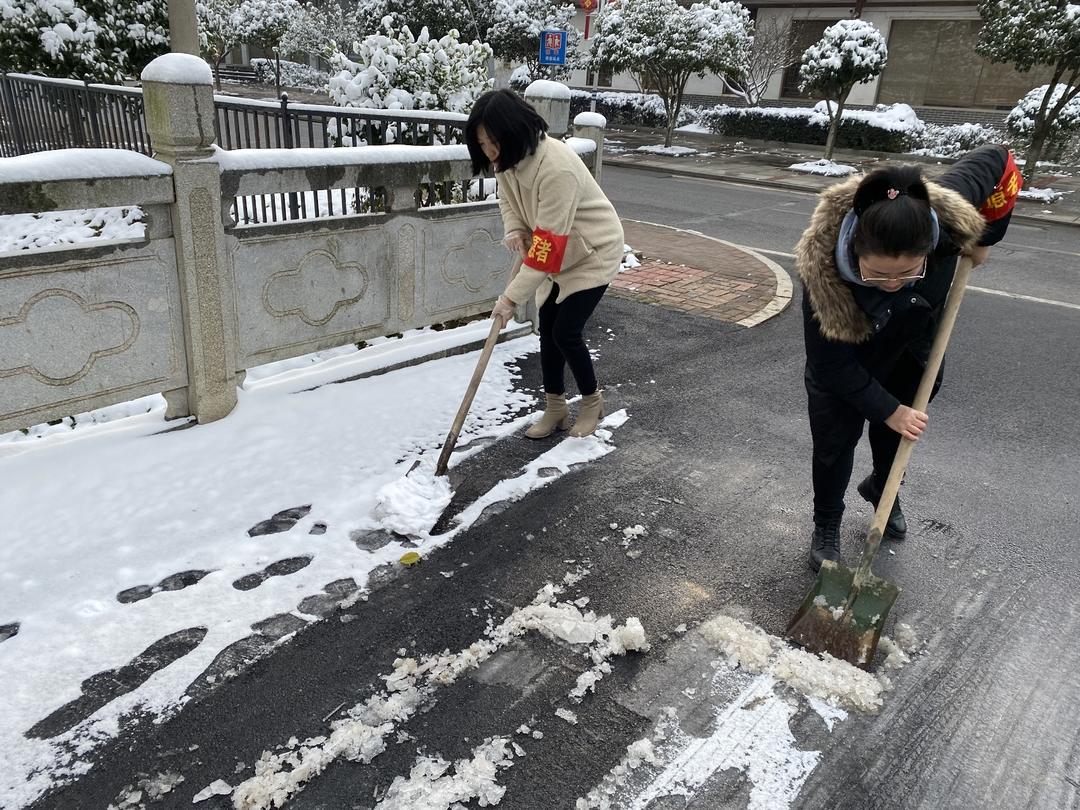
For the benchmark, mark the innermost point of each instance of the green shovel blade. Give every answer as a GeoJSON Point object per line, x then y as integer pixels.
{"type": "Point", "coordinates": [825, 624]}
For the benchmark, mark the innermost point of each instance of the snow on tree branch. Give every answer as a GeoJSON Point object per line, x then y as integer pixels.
{"type": "Point", "coordinates": [667, 43]}
{"type": "Point", "coordinates": [396, 70]}
{"type": "Point", "coordinates": [104, 40]}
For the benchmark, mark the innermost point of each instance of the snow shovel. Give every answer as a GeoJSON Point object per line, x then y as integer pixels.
{"type": "Point", "coordinates": [845, 610]}
{"type": "Point", "coordinates": [470, 392]}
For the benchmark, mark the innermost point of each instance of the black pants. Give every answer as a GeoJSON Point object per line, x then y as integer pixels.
{"type": "Point", "coordinates": [562, 342]}
{"type": "Point", "coordinates": [836, 428]}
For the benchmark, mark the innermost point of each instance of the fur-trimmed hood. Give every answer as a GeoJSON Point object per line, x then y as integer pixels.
{"type": "Point", "coordinates": [838, 315]}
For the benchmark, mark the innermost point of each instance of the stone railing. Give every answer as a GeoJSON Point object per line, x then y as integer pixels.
{"type": "Point", "coordinates": [199, 298]}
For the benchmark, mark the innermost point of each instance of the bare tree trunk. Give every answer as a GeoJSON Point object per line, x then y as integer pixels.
{"type": "Point", "coordinates": [217, 71]}
{"type": "Point", "coordinates": [277, 71]}
{"type": "Point", "coordinates": [1035, 151]}
{"type": "Point", "coordinates": [834, 127]}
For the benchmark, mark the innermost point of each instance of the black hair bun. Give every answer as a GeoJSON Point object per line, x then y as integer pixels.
{"type": "Point", "coordinates": [876, 186]}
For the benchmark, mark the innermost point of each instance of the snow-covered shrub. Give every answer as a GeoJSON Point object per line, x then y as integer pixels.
{"type": "Point", "coordinates": [104, 40]}
{"type": "Point", "coordinates": [520, 79]}
{"type": "Point", "coordinates": [293, 74]}
{"type": "Point", "coordinates": [634, 109]}
{"type": "Point", "coordinates": [850, 52]}
{"type": "Point", "coordinates": [398, 71]}
{"type": "Point", "coordinates": [954, 140]}
{"type": "Point", "coordinates": [1021, 120]}
{"type": "Point", "coordinates": [468, 17]}
{"type": "Point", "coordinates": [888, 128]}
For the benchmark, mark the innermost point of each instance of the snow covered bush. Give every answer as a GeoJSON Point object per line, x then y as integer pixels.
{"type": "Point", "coordinates": [264, 23]}
{"type": "Point", "coordinates": [666, 43]}
{"type": "Point", "coordinates": [955, 140]}
{"type": "Point", "coordinates": [320, 29]}
{"type": "Point", "coordinates": [515, 29]}
{"type": "Point", "coordinates": [850, 52]}
{"type": "Point", "coordinates": [1030, 34]}
{"type": "Point", "coordinates": [888, 128]}
{"type": "Point", "coordinates": [440, 17]}
{"type": "Point", "coordinates": [293, 74]}
{"type": "Point", "coordinates": [1057, 131]}
{"type": "Point", "coordinates": [398, 71]}
{"type": "Point", "coordinates": [640, 109]}
{"type": "Point", "coordinates": [102, 40]}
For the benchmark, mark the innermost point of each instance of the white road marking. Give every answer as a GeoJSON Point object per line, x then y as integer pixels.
{"type": "Point", "coordinates": [1021, 297]}
{"type": "Point", "coordinates": [1018, 296]}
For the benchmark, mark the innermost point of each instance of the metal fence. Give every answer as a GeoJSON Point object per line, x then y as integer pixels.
{"type": "Point", "coordinates": [38, 114]}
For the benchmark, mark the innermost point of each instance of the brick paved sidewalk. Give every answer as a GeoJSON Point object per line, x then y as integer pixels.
{"type": "Point", "coordinates": [686, 271]}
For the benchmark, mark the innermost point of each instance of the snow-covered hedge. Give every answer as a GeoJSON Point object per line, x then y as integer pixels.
{"type": "Point", "coordinates": [889, 128]}
{"type": "Point", "coordinates": [954, 140]}
{"type": "Point", "coordinates": [633, 109]}
{"type": "Point", "coordinates": [293, 74]}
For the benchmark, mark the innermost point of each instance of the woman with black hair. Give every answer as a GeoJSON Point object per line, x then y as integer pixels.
{"type": "Point", "coordinates": [876, 264]}
{"type": "Point", "coordinates": [570, 239]}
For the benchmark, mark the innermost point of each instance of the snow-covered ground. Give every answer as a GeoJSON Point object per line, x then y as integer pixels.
{"type": "Point", "coordinates": [120, 533]}
{"type": "Point", "coordinates": [672, 151]}
{"type": "Point", "coordinates": [37, 231]}
{"type": "Point", "coordinates": [1046, 195]}
{"type": "Point", "coordinates": [824, 167]}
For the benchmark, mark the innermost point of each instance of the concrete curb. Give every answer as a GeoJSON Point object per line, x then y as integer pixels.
{"type": "Point", "coordinates": [784, 288]}
{"type": "Point", "coordinates": [452, 351]}
{"type": "Point", "coordinates": [773, 184]}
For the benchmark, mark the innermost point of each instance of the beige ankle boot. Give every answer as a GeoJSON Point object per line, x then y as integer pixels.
{"type": "Point", "coordinates": [556, 415]}
{"type": "Point", "coordinates": [590, 413]}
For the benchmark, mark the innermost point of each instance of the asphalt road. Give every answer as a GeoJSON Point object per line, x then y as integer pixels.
{"type": "Point", "coordinates": [714, 460]}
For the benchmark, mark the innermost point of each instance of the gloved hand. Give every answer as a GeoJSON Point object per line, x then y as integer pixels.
{"type": "Point", "coordinates": [518, 242]}
{"type": "Point", "coordinates": [503, 310]}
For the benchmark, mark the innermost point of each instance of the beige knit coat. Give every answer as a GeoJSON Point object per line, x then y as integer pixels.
{"type": "Point", "coordinates": [553, 190]}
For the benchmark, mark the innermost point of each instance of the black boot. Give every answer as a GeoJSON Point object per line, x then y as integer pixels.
{"type": "Point", "coordinates": [896, 528]}
{"type": "Point", "coordinates": [826, 543]}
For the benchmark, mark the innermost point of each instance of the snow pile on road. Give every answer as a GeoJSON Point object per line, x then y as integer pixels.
{"type": "Point", "coordinates": [430, 785]}
{"type": "Point", "coordinates": [410, 505]}
{"type": "Point", "coordinates": [36, 231]}
{"type": "Point", "coordinates": [672, 151]}
{"type": "Point", "coordinates": [822, 676]}
{"type": "Point", "coordinates": [754, 692]}
{"type": "Point", "coordinates": [638, 753]}
{"type": "Point", "coordinates": [412, 685]}
{"type": "Point", "coordinates": [823, 167]}
{"type": "Point", "coordinates": [1045, 195]}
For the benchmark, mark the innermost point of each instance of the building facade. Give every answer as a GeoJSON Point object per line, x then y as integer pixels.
{"type": "Point", "coordinates": [932, 58]}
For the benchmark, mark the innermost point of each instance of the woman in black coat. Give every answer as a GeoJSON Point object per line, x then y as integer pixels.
{"type": "Point", "coordinates": [876, 264]}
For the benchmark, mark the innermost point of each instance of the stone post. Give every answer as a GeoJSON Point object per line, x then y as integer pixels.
{"type": "Point", "coordinates": [178, 94]}
{"type": "Point", "coordinates": [552, 101]}
{"type": "Point", "coordinates": [591, 126]}
{"type": "Point", "coordinates": [183, 27]}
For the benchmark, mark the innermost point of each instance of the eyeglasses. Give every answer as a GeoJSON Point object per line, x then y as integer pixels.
{"type": "Point", "coordinates": [889, 279]}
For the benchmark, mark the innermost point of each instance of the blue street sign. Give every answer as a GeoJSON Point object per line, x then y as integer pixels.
{"type": "Point", "coordinates": [552, 47]}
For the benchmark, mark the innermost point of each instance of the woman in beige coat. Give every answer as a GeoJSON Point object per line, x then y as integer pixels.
{"type": "Point", "coordinates": [570, 239]}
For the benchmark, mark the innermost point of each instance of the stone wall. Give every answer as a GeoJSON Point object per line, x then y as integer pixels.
{"type": "Point", "coordinates": [186, 309]}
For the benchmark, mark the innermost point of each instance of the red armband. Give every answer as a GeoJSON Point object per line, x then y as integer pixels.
{"type": "Point", "coordinates": [546, 251]}
{"type": "Point", "coordinates": [1003, 198]}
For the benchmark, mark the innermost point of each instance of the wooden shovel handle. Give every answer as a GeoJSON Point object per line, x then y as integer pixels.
{"type": "Point", "coordinates": [922, 400]}
{"type": "Point", "coordinates": [470, 392]}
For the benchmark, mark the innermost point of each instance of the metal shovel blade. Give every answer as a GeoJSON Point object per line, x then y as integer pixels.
{"type": "Point", "coordinates": [826, 622]}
